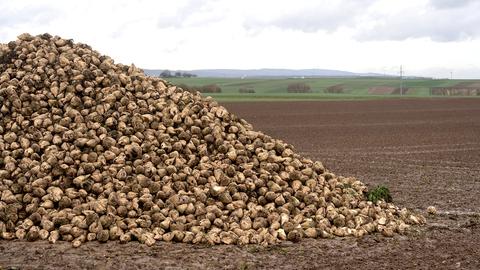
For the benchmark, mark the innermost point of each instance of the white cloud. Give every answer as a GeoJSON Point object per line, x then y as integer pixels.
{"type": "Point", "coordinates": [428, 37]}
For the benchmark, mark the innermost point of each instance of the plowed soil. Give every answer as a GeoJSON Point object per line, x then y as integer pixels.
{"type": "Point", "coordinates": [426, 151]}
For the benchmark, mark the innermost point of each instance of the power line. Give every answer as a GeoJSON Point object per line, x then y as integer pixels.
{"type": "Point", "coordinates": [401, 80]}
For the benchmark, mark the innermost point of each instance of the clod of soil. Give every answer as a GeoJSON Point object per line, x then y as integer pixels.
{"type": "Point", "coordinates": [93, 150]}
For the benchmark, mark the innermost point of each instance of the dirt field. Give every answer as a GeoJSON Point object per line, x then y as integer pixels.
{"type": "Point", "coordinates": [381, 90]}
{"type": "Point", "coordinates": [426, 151]}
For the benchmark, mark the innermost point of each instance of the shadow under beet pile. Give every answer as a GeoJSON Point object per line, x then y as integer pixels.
{"type": "Point", "coordinates": [92, 150]}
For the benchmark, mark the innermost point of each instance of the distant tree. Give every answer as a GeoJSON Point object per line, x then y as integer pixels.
{"type": "Point", "coordinates": [299, 87]}
{"type": "Point", "coordinates": [188, 87]}
{"type": "Point", "coordinates": [169, 74]}
{"type": "Point", "coordinates": [188, 75]}
{"type": "Point", "coordinates": [246, 90]}
{"type": "Point", "coordinates": [335, 89]}
{"type": "Point", "coordinates": [166, 74]}
{"type": "Point", "coordinates": [210, 88]}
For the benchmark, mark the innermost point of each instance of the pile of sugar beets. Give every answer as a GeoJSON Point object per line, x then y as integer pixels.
{"type": "Point", "coordinates": [93, 150]}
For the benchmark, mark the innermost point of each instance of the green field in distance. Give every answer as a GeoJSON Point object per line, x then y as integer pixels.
{"type": "Point", "coordinates": [352, 88]}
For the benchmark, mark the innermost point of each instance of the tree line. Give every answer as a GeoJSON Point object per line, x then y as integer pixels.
{"type": "Point", "coordinates": [209, 88]}
{"type": "Point", "coordinates": [176, 74]}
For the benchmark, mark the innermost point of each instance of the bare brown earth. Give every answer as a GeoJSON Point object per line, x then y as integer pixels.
{"type": "Point", "coordinates": [381, 90]}
{"type": "Point", "coordinates": [426, 151]}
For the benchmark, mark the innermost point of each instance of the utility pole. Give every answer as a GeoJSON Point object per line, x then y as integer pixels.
{"type": "Point", "coordinates": [451, 75]}
{"type": "Point", "coordinates": [401, 80]}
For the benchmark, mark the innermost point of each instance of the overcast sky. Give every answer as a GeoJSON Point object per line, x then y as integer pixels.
{"type": "Point", "coordinates": [428, 37]}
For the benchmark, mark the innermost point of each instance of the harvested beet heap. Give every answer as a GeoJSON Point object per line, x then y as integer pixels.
{"type": "Point", "coordinates": [92, 150]}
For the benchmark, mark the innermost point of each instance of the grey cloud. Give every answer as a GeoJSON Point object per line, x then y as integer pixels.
{"type": "Point", "coordinates": [446, 4]}
{"type": "Point", "coordinates": [319, 17]}
{"type": "Point", "coordinates": [442, 25]}
{"type": "Point", "coordinates": [439, 20]}
{"type": "Point", "coordinates": [188, 14]}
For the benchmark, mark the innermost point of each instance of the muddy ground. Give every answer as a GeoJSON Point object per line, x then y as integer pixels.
{"type": "Point", "coordinates": [426, 151]}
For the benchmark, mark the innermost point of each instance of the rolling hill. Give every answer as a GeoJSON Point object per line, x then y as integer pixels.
{"type": "Point", "coordinates": [267, 72]}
